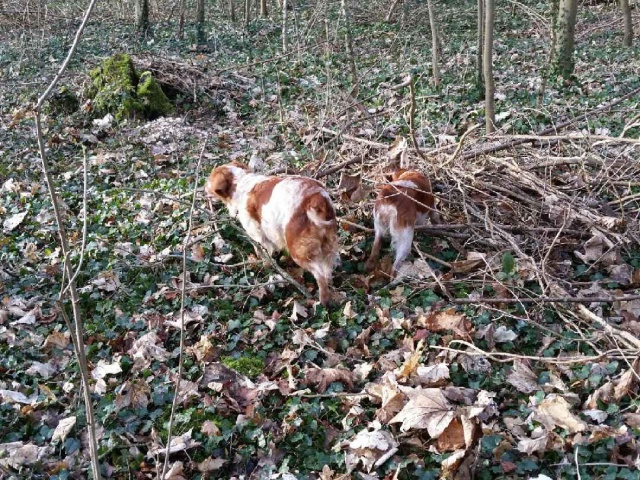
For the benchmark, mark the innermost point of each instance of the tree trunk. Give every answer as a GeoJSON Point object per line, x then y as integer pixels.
{"type": "Point", "coordinates": [232, 11]}
{"type": "Point", "coordinates": [490, 111]}
{"type": "Point", "coordinates": [284, 26]}
{"type": "Point", "coordinates": [263, 9]}
{"type": "Point", "coordinates": [349, 41]}
{"type": "Point", "coordinates": [247, 13]}
{"type": "Point", "coordinates": [200, 34]}
{"type": "Point", "coordinates": [565, 34]}
{"type": "Point", "coordinates": [628, 23]}
{"type": "Point", "coordinates": [181, 20]}
{"type": "Point", "coordinates": [480, 46]}
{"type": "Point", "coordinates": [142, 15]}
{"type": "Point", "coordinates": [394, 5]}
{"type": "Point", "coordinates": [434, 45]}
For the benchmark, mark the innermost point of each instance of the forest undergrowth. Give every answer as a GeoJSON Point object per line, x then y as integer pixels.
{"type": "Point", "coordinates": [507, 347]}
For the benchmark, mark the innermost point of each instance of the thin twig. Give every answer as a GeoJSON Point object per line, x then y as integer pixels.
{"type": "Point", "coordinates": [78, 330]}
{"type": "Point", "coordinates": [567, 299]}
{"type": "Point", "coordinates": [174, 404]}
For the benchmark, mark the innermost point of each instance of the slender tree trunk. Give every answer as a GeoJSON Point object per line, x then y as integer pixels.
{"type": "Point", "coordinates": [480, 47]}
{"type": "Point", "coordinates": [284, 26]}
{"type": "Point", "coordinates": [434, 45]}
{"type": "Point", "coordinates": [232, 11]}
{"type": "Point", "coordinates": [142, 15]}
{"type": "Point", "coordinates": [628, 23]}
{"type": "Point", "coordinates": [565, 34]}
{"type": "Point", "coordinates": [263, 9]}
{"type": "Point", "coordinates": [394, 5]}
{"type": "Point", "coordinates": [181, 20]}
{"type": "Point", "coordinates": [552, 51]}
{"type": "Point", "coordinates": [349, 41]}
{"type": "Point", "coordinates": [490, 111]}
{"type": "Point", "coordinates": [200, 33]}
{"type": "Point", "coordinates": [247, 13]}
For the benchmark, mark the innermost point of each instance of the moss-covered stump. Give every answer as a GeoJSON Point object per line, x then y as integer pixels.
{"type": "Point", "coordinates": [117, 88]}
{"type": "Point", "coordinates": [152, 97]}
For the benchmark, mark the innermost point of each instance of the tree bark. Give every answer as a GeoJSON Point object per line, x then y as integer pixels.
{"type": "Point", "coordinates": [247, 13]}
{"type": "Point", "coordinates": [142, 15]}
{"type": "Point", "coordinates": [394, 5]}
{"type": "Point", "coordinates": [480, 46]}
{"type": "Point", "coordinates": [434, 45]}
{"type": "Point", "coordinates": [200, 33]}
{"type": "Point", "coordinates": [232, 11]}
{"type": "Point", "coordinates": [181, 20]}
{"type": "Point", "coordinates": [284, 26]}
{"type": "Point", "coordinates": [565, 36]}
{"type": "Point", "coordinates": [263, 9]}
{"type": "Point", "coordinates": [349, 41]}
{"type": "Point", "coordinates": [627, 41]}
{"type": "Point", "coordinates": [490, 111]}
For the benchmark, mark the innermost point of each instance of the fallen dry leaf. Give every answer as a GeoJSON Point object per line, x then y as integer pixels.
{"type": "Point", "coordinates": [598, 249]}
{"type": "Point", "coordinates": [323, 377]}
{"type": "Point", "coordinates": [202, 350]}
{"type": "Point", "coordinates": [452, 438]}
{"type": "Point", "coordinates": [369, 447]}
{"type": "Point", "coordinates": [387, 393]}
{"type": "Point", "coordinates": [412, 360]}
{"type": "Point", "coordinates": [448, 320]}
{"type": "Point", "coordinates": [13, 221]}
{"type": "Point", "coordinates": [522, 377]}
{"type": "Point", "coordinates": [197, 253]}
{"type": "Point", "coordinates": [554, 411]}
{"type": "Point", "coordinates": [63, 428]}
{"type": "Point", "coordinates": [210, 429]}
{"type": "Point", "coordinates": [433, 375]}
{"type": "Point", "coordinates": [537, 443]}
{"type": "Point", "coordinates": [427, 408]}
{"type": "Point", "coordinates": [211, 464]}
{"type": "Point", "coordinates": [178, 444]}
{"type": "Point", "coordinates": [17, 454]}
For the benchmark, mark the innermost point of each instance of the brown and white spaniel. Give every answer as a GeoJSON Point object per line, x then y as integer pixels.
{"type": "Point", "coordinates": [402, 204]}
{"type": "Point", "coordinates": [292, 213]}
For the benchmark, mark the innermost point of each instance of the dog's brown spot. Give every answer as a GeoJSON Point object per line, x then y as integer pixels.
{"type": "Point", "coordinates": [320, 205]}
{"type": "Point", "coordinates": [311, 244]}
{"type": "Point", "coordinates": [260, 196]}
{"type": "Point", "coordinates": [422, 194]}
{"type": "Point", "coordinates": [407, 201]}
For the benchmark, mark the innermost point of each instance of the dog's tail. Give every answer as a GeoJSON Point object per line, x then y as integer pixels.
{"type": "Point", "coordinates": [319, 209]}
{"type": "Point", "coordinates": [386, 191]}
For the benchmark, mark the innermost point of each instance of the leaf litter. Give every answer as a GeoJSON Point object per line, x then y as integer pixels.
{"type": "Point", "coordinates": [374, 381]}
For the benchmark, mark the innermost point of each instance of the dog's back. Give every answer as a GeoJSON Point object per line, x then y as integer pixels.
{"type": "Point", "coordinates": [400, 205]}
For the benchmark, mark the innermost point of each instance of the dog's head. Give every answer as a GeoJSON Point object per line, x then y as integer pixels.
{"type": "Point", "coordinates": [222, 181]}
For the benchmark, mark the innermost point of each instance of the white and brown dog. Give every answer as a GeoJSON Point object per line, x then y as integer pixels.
{"type": "Point", "coordinates": [293, 213]}
{"type": "Point", "coordinates": [405, 202]}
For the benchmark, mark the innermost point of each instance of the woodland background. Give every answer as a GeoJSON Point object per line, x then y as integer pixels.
{"type": "Point", "coordinates": [507, 348]}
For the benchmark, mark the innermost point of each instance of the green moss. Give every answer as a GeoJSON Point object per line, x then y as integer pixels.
{"type": "Point", "coordinates": [152, 97]}
{"type": "Point", "coordinates": [246, 365]}
{"type": "Point", "coordinates": [117, 88]}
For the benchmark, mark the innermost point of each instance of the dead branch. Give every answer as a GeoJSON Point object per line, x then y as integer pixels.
{"type": "Point", "coordinates": [497, 147]}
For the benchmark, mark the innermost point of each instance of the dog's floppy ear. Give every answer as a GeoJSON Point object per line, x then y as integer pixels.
{"type": "Point", "coordinates": [220, 183]}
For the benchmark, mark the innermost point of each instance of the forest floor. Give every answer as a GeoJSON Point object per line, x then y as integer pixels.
{"type": "Point", "coordinates": [463, 367]}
